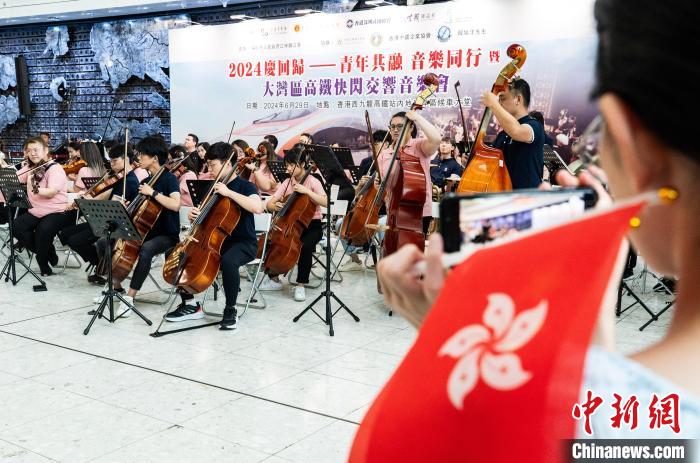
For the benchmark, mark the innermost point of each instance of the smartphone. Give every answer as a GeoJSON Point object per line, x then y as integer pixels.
{"type": "Point", "coordinates": [486, 217]}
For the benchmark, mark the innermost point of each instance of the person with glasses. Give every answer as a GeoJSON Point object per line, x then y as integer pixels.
{"type": "Point", "coordinates": [47, 189]}
{"type": "Point", "coordinates": [422, 148]}
{"type": "Point", "coordinates": [521, 137]}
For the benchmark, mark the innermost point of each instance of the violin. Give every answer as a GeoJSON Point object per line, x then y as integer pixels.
{"type": "Point", "coordinates": [38, 173]}
{"type": "Point", "coordinates": [404, 183]}
{"type": "Point", "coordinates": [486, 168]}
{"type": "Point", "coordinates": [250, 157]}
{"type": "Point", "coordinates": [74, 167]}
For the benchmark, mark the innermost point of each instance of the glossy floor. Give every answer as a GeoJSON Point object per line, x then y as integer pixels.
{"type": "Point", "coordinates": [272, 390]}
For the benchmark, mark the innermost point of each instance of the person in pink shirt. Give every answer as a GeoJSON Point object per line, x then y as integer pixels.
{"type": "Point", "coordinates": [296, 167]}
{"type": "Point", "coordinates": [190, 172]}
{"type": "Point", "coordinates": [90, 153]}
{"type": "Point", "coordinates": [36, 229]}
{"type": "Point", "coordinates": [422, 147]}
{"type": "Point", "coordinates": [261, 175]}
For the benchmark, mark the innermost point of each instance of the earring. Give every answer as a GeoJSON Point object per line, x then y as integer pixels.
{"type": "Point", "coordinates": [667, 195]}
{"type": "Point", "coordinates": [635, 222]}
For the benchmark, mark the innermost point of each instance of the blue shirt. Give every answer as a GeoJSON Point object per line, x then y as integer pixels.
{"type": "Point", "coordinates": [525, 161]}
{"type": "Point", "coordinates": [442, 169]}
{"type": "Point", "coordinates": [132, 187]}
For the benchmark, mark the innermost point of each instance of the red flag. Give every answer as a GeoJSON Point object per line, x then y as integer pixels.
{"type": "Point", "coordinates": [497, 365]}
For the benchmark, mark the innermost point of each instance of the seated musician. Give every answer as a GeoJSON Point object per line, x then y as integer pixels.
{"type": "Point", "coordinates": [261, 175]}
{"type": "Point", "coordinates": [73, 148]}
{"type": "Point", "coordinates": [445, 165]}
{"type": "Point", "coordinates": [188, 171]}
{"type": "Point", "coordinates": [367, 164]}
{"type": "Point", "coordinates": [36, 229]}
{"type": "Point", "coordinates": [80, 237]}
{"type": "Point", "coordinates": [522, 137]}
{"type": "Point", "coordinates": [423, 148]}
{"type": "Point", "coordinates": [95, 168]}
{"type": "Point", "coordinates": [238, 249]}
{"type": "Point", "coordinates": [165, 233]}
{"type": "Point", "coordinates": [296, 167]}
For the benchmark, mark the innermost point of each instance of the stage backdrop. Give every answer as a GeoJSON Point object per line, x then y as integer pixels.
{"type": "Point", "coordinates": [318, 73]}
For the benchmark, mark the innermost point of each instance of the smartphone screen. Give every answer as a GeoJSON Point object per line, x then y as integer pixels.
{"type": "Point", "coordinates": [488, 217]}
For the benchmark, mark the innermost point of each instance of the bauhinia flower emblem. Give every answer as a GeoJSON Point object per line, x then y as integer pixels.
{"type": "Point", "coordinates": [489, 351]}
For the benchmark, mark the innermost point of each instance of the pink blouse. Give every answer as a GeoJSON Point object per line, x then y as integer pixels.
{"type": "Point", "coordinates": [267, 173]}
{"type": "Point", "coordinates": [414, 147]}
{"type": "Point", "coordinates": [311, 182]}
{"type": "Point", "coordinates": [82, 173]}
{"type": "Point", "coordinates": [185, 198]}
{"type": "Point", "coordinates": [54, 178]}
{"type": "Point", "coordinates": [140, 173]}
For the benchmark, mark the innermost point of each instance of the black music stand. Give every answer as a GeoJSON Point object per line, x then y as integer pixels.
{"type": "Point", "coordinates": [90, 182]}
{"type": "Point", "coordinates": [554, 162]}
{"type": "Point", "coordinates": [198, 190]}
{"type": "Point", "coordinates": [15, 197]}
{"type": "Point", "coordinates": [326, 163]}
{"type": "Point", "coordinates": [279, 170]}
{"type": "Point", "coordinates": [109, 219]}
{"type": "Point", "coordinates": [347, 162]}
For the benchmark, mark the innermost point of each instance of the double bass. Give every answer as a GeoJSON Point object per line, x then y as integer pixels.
{"type": "Point", "coordinates": [486, 168]}
{"type": "Point", "coordinates": [404, 184]}
{"type": "Point", "coordinates": [284, 240]}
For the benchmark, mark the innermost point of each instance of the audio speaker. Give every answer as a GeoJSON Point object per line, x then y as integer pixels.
{"type": "Point", "coordinates": [25, 104]}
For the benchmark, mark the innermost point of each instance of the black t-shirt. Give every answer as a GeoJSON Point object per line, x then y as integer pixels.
{"type": "Point", "coordinates": [442, 169]}
{"type": "Point", "coordinates": [525, 161]}
{"type": "Point", "coordinates": [365, 165]}
{"type": "Point", "coordinates": [245, 230]}
{"type": "Point", "coordinates": [132, 187]}
{"type": "Point", "coordinates": [168, 222]}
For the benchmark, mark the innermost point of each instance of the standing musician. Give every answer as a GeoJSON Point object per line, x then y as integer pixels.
{"type": "Point", "coordinates": [445, 165]}
{"type": "Point", "coordinates": [422, 148]}
{"type": "Point", "coordinates": [153, 153]}
{"type": "Point", "coordinates": [522, 137]}
{"type": "Point", "coordinates": [296, 165]}
{"type": "Point", "coordinates": [80, 237]}
{"type": "Point", "coordinates": [238, 249]}
{"type": "Point", "coordinates": [46, 187]}
{"type": "Point", "coordinates": [91, 155]}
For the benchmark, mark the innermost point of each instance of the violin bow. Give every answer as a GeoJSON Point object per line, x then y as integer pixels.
{"type": "Point", "coordinates": [126, 147]}
{"type": "Point", "coordinates": [465, 134]}
{"type": "Point", "coordinates": [231, 132]}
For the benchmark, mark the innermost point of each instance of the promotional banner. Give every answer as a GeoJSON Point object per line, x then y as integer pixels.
{"type": "Point", "coordinates": [318, 73]}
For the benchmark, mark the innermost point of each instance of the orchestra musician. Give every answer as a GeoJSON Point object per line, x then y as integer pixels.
{"type": "Point", "coordinates": [186, 171]}
{"type": "Point", "coordinates": [90, 153]}
{"type": "Point", "coordinates": [153, 153]}
{"type": "Point", "coordinates": [80, 237]}
{"type": "Point", "coordinates": [522, 137]}
{"type": "Point", "coordinates": [445, 165]}
{"type": "Point", "coordinates": [46, 187]}
{"type": "Point", "coordinates": [367, 164]}
{"type": "Point", "coordinates": [423, 148]}
{"type": "Point", "coordinates": [295, 162]}
{"type": "Point", "coordinates": [261, 175]}
{"type": "Point", "coordinates": [238, 249]}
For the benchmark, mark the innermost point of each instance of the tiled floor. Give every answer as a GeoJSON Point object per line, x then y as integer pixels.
{"type": "Point", "coordinates": [272, 390]}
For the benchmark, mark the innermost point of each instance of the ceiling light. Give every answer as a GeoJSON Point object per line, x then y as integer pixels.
{"type": "Point", "coordinates": [241, 17]}
{"type": "Point", "coordinates": [306, 11]}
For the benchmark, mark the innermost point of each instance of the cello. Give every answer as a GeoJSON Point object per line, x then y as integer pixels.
{"type": "Point", "coordinates": [486, 168]}
{"type": "Point", "coordinates": [195, 261]}
{"type": "Point", "coordinates": [362, 213]}
{"type": "Point", "coordinates": [404, 184]}
{"type": "Point", "coordinates": [283, 246]}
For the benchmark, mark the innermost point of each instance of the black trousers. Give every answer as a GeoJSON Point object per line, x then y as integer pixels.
{"type": "Point", "coordinates": [81, 240]}
{"type": "Point", "coordinates": [37, 234]}
{"type": "Point", "coordinates": [309, 239]}
{"type": "Point", "coordinates": [149, 249]}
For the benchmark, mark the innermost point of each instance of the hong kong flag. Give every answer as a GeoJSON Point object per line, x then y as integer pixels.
{"type": "Point", "coordinates": [497, 365]}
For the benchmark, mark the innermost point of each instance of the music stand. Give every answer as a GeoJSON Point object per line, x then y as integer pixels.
{"type": "Point", "coordinates": [326, 163]}
{"type": "Point", "coordinates": [109, 220]}
{"type": "Point", "coordinates": [279, 170]}
{"type": "Point", "coordinates": [90, 182]}
{"type": "Point", "coordinates": [554, 162]}
{"type": "Point", "coordinates": [198, 190]}
{"type": "Point", "coordinates": [15, 197]}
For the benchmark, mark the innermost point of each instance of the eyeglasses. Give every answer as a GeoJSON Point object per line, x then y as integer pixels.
{"type": "Point", "coordinates": [395, 126]}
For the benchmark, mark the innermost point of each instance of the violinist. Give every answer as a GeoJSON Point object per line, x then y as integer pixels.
{"type": "Point", "coordinates": [306, 139]}
{"type": "Point", "coordinates": [73, 148]}
{"type": "Point", "coordinates": [239, 146]}
{"type": "Point", "coordinates": [238, 249]}
{"type": "Point", "coordinates": [522, 137]}
{"type": "Point", "coordinates": [164, 235]}
{"type": "Point", "coordinates": [80, 237]}
{"type": "Point", "coordinates": [274, 142]}
{"type": "Point", "coordinates": [296, 167]}
{"type": "Point", "coordinates": [90, 154]}
{"type": "Point", "coordinates": [186, 171]}
{"type": "Point", "coordinates": [200, 160]}
{"type": "Point", "coordinates": [46, 136]}
{"type": "Point", "coordinates": [422, 148]}
{"type": "Point", "coordinates": [261, 175]}
{"type": "Point", "coordinates": [46, 187]}
{"type": "Point", "coordinates": [445, 165]}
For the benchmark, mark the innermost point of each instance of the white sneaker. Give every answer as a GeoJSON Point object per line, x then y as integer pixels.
{"type": "Point", "coordinates": [270, 285]}
{"type": "Point", "coordinates": [97, 299]}
{"type": "Point", "coordinates": [351, 266]}
{"type": "Point", "coordinates": [125, 308]}
{"type": "Point", "coordinates": [299, 294]}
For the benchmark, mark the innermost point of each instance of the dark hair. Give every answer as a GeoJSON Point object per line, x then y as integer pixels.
{"type": "Point", "coordinates": [522, 88]}
{"type": "Point", "coordinates": [204, 145]}
{"type": "Point", "coordinates": [295, 155]}
{"type": "Point", "coordinates": [117, 151]}
{"type": "Point", "coordinates": [45, 133]}
{"type": "Point", "coordinates": [219, 150]}
{"type": "Point", "coordinates": [402, 114]}
{"type": "Point", "coordinates": [154, 146]}
{"type": "Point", "coordinates": [269, 149]}
{"type": "Point", "coordinates": [536, 115]}
{"type": "Point", "coordinates": [194, 137]}
{"type": "Point", "coordinates": [650, 36]}
{"type": "Point", "coordinates": [308, 135]}
{"type": "Point", "coordinates": [378, 136]}
{"type": "Point", "coordinates": [448, 140]}
{"type": "Point", "coordinates": [73, 145]}
{"type": "Point", "coordinates": [177, 151]}
{"type": "Point", "coordinates": [92, 155]}
{"type": "Point", "coordinates": [272, 139]}
{"type": "Point", "coordinates": [37, 140]}
{"type": "Point", "coordinates": [242, 144]}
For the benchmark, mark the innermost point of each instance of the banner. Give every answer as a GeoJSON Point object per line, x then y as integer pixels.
{"type": "Point", "coordinates": [319, 73]}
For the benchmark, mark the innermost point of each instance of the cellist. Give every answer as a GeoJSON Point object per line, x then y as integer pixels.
{"type": "Point", "coordinates": [522, 137]}
{"type": "Point", "coordinates": [164, 235]}
{"type": "Point", "coordinates": [238, 249]}
{"type": "Point", "coordinates": [423, 148]}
